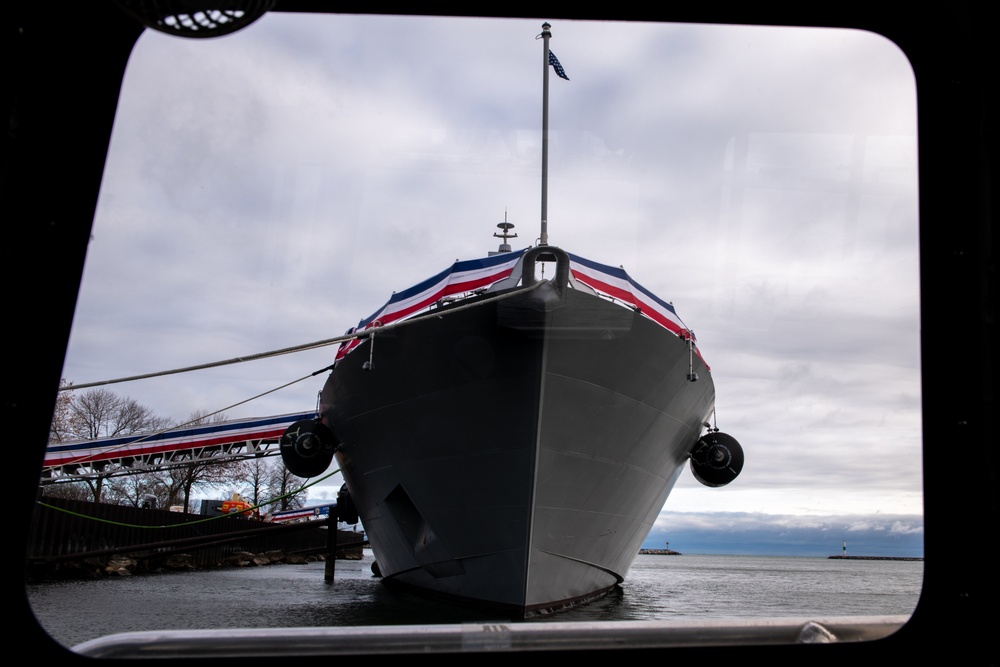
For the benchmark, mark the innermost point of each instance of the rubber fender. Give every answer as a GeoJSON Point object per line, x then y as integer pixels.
{"type": "Point", "coordinates": [716, 459]}
{"type": "Point", "coordinates": [307, 447]}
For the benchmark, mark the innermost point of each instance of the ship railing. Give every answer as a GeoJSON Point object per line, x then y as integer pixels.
{"type": "Point", "coordinates": [489, 637]}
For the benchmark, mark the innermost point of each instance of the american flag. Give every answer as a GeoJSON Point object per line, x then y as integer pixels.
{"type": "Point", "coordinates": [557, 66]}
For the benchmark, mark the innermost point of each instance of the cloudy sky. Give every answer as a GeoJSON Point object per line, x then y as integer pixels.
{"type": "Point", "coordinates": [272, 187]}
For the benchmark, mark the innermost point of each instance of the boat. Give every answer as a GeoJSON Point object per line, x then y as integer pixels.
{"type": "Point", "coordinates": [508, 439]}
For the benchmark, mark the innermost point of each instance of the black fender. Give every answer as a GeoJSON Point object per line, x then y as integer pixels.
{"type": "Point", "coordinates": [307, 447]}
{"type": "Point", "coordinates": [716, 459]}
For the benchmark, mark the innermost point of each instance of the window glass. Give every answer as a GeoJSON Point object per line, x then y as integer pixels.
{"type": "Point", "coordinates": [272, 187]}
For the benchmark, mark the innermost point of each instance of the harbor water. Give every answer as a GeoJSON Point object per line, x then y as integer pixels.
{"type": "Point", "coordinates": [689, 587]}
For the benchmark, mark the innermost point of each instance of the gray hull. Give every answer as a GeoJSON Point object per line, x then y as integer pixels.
{"type": "Point", "coordinates": [515, 454]}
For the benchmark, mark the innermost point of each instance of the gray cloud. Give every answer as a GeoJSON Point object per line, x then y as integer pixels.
{"type": "Point", "coordinates": [273, 187]}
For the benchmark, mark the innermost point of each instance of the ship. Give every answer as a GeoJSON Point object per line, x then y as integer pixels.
{"type": "Point", "coordinates": [508, 439]}
{"type": "Point", "coordinates": [511, 445]}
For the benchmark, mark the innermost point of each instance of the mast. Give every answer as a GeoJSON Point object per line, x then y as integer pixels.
{"type": "Point", "coordinates": [544, 238]}
{"type": "Point", "coordinates": [505, 235]}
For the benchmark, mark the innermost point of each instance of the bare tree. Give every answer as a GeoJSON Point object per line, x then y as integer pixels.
{"type": "Point", "coordinates": [76, 490]}
{"type": "Point", "coordinates": [201, 417]}
{"type": "Point", "coordinates": [99, 413]}
{"type": "Point", "coordinates": [134, 488]}
{"type": "Point", "coordinates": [209, 467]}
{"type": "Point", "coordinates": [59, 429]}
{"type": "Point", "coordinates": [263, 479]}
{"type": "Point", "coordinates": [252, 479]}
{"type": "Point", "coordinates": [288, 488]}
{"type": "Point", "coordinates": [182, 480]}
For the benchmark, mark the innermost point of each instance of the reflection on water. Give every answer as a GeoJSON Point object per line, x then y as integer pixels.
{"type": "Point", "coordinates": [657, 587]}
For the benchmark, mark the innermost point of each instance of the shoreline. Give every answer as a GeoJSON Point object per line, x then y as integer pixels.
{"type": "Point", "coordinates": [875, 557]}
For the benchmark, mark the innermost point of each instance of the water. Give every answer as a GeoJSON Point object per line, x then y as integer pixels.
{"type": "Point", "coordinates": [685, 588]}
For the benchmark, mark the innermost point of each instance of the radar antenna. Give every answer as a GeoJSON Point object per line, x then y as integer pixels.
{"type": "Point", "coordinates": [505, 234]}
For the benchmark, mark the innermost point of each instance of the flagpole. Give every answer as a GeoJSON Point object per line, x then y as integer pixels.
{"type": "Point", "coordinates": [544, 238]}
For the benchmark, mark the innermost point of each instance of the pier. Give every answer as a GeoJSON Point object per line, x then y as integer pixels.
{"type": "Point", "coordinates": [77, 538]}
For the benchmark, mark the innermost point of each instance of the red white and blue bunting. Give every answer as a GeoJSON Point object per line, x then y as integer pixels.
{"type": "Point", "coordinates": [468, 275]}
